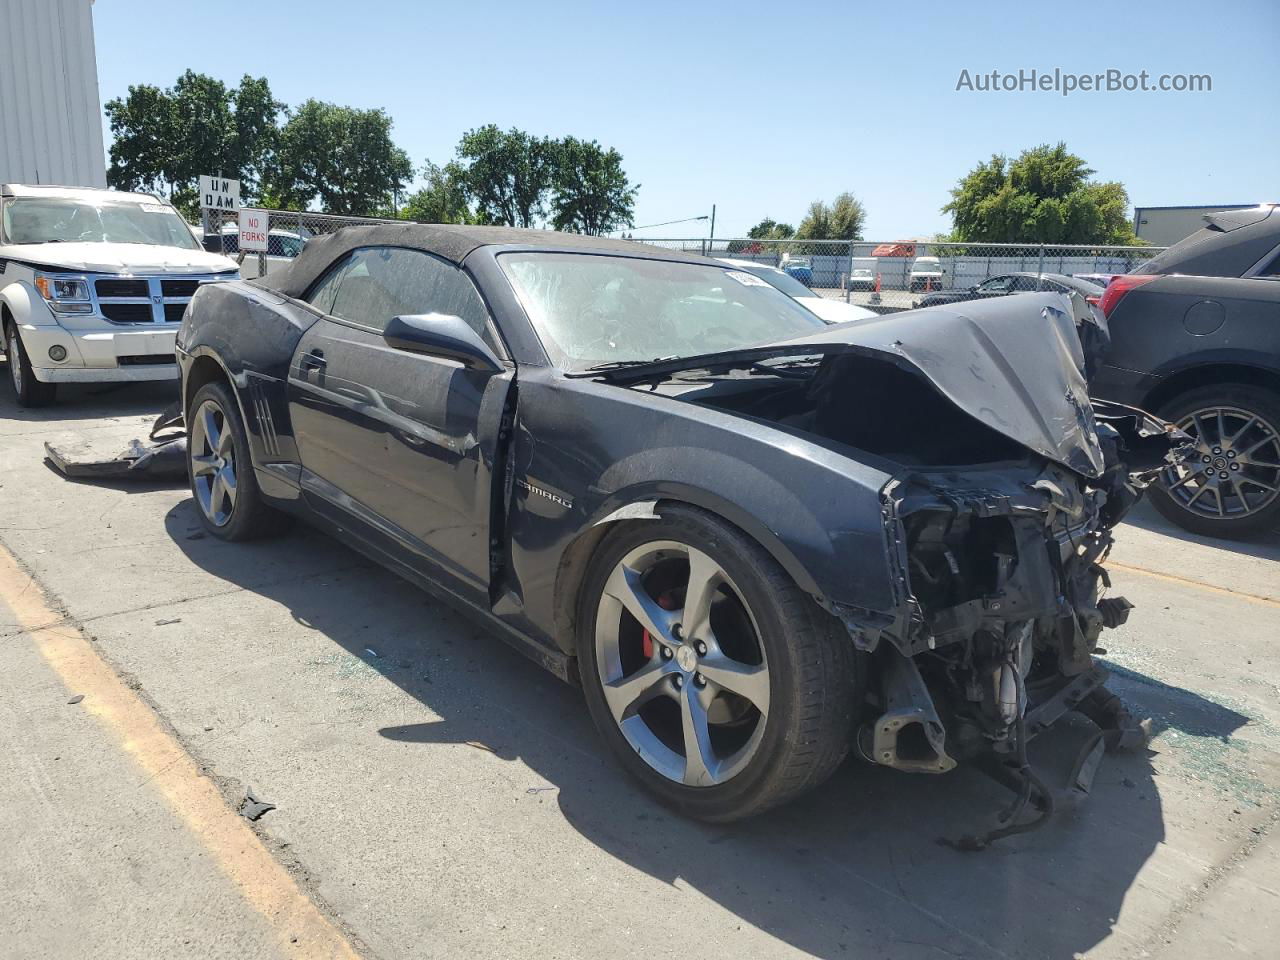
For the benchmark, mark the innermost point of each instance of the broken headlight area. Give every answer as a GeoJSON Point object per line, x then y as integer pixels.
{"type": "Point", "coordinates": [1003, 600]}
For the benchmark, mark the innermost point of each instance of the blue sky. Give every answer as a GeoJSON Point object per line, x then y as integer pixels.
{"type": "Point", "coordinates": [760, 108]}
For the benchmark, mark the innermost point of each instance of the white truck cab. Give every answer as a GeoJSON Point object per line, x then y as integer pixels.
{"type": "Point", "coordinates": [93, 285]}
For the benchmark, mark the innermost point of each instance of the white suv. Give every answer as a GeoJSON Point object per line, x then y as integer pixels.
{"type": "Point", "coordinates": [93, 285]}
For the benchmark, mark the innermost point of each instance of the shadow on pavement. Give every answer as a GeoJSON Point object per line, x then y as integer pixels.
{"type": "Point", "coordinates": [79, 401]}
{"type": "Point", "coordinates": [853, 869]}
{"type": "Point", "coordinates": [1265, 546]}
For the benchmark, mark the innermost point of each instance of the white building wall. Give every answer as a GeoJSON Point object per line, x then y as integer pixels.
{"type": "Point", "coordinates": [1165, 226]}
{"type": "Point", "coordinates": [50, 114]}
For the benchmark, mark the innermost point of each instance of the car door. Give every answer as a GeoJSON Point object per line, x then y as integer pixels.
{"type": "Point", "coordinates": [399, 445]}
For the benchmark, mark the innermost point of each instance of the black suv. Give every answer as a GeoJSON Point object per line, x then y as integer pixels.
{"type": "Point", "coordinates": [1196, 338]}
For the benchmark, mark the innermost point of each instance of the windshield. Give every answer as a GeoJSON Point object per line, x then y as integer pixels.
{"type": "Point", "coordinates": [64, 220]}
{"type": "Point", "coordinates": [591, 309]}
{"type": "Point", "coordinates": [784, 282]}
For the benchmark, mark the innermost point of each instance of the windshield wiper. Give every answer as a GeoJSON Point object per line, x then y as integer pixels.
{"type": "Point", "coordinates": [624, 364]}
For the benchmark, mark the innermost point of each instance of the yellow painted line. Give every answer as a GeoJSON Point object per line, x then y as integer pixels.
{"type": "Point", "coordinates": [1189, 582]}
{"type": "Point", "coordinates": [241, 855]}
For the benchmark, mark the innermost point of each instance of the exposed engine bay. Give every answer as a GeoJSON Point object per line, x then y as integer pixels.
{"type": "Point", "coordinates": [1002, 596]}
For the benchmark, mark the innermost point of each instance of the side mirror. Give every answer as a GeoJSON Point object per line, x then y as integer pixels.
{"type": "Point", "coordinates": [441, 335]}
{"type": "Point", "coordinates": [973, 288]}
{"type": "Point", "coordinates": [212, 242]}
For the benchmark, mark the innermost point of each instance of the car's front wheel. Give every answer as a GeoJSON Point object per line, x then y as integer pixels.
{"type": "Point", "coordinates": [715, 680]}
{"type": "Point", "coordinates": [1232, 486]}
{"type": "Point", "coordinates": [221, 471]}
{"type": "Point", "coordinates": [29, 391]}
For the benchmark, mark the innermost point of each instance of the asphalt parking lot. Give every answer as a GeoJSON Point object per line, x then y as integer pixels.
{"type": "Point", "coordinates": [437, 795]}
{"type": "Point", "coordinates": [887, 301]}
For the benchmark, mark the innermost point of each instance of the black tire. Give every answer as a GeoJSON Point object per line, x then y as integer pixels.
{"type": "Point", "coordinates": [29, 391]}
{"type": "Point", "coordinates": [815, 681]}
{"type": "Point", "coordinates": [247, 516]}
{"type": "Point", "coordinates": [1251, 400]}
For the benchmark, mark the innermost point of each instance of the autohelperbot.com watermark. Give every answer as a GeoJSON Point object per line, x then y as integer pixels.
{"type": "Point", "coordinates": [1065, 82]}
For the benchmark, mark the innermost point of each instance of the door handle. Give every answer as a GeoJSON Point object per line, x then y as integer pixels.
{"type": "Point", "coordinates": [312, 360]}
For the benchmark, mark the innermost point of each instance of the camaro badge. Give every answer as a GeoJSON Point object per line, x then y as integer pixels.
{"type": "Point", "coordinates": [547, 494]}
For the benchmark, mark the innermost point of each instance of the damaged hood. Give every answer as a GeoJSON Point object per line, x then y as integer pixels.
{"type": "Point", "coordinates": [1015, 363]}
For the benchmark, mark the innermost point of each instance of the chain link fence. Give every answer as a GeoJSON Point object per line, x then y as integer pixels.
{"type": "Point", "coordinates": [899, 275]}
{"type": "Point", "coordinates": [288, 233]}
{"type": "Point", "coordinates": [883, 276]}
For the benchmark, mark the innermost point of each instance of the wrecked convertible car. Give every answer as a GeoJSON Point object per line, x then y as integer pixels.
{"type": "Point", "coordinates": [758, 541]}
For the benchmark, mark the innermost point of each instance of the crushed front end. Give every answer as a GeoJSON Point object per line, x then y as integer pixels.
{"type": "Point", "coordinates": [1003, 599]}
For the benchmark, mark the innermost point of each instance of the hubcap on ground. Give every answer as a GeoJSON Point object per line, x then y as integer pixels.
{"type": "Point", "coordinates": [213, 463]}
{"type": "Point", "coordinates": [681, 663]}
{"type": "Point", "coordinates": [1236, 470]}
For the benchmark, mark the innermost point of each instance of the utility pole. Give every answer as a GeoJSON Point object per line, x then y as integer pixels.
{"type": "Point", "coordinates": [711, 239]}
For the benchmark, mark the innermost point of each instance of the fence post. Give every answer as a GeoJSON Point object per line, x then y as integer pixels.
{"type": "Point", "coordinates": [1040, 265]}
{"type": "Point", "coordinates": [848, 285]}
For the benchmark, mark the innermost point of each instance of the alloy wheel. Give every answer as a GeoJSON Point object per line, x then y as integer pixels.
{"type": "Point", "coordinates": [681, 664]}
{"type": "Point", "coordinates": [213, 463]}
{"type": "Point", "coordinates": [1236, 470]}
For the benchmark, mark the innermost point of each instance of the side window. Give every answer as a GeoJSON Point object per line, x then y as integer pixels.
{"type": "Point", "coordinates": [323, 293]}
{"type": "Point", "coordinates": [994, 285]}
{"type": "Point", "coordinates": [1022, 284]}
{"type": "Point", "coordinates": [384, 282]}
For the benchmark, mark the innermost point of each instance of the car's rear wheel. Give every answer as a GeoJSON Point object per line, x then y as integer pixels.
{"type": "Point", "coordinates": [29, 391]}
{"type": "Point", "coordinates": [221, 471]}
{"type": "Point", "coordinates": [714, 679]}
{"type": "Point", "coordinates": [1232, 487]}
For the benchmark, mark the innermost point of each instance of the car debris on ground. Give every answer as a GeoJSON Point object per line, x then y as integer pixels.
{"type": "Point", "coordinates": [252, 807]}
{"type": "Point", "coordinates": [163, 456]}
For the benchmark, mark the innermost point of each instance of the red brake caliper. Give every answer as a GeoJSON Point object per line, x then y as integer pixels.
{"type": "Point", "coordinates": [667, 601]}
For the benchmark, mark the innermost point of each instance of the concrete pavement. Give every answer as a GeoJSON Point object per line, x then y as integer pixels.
{"type": "Point", "coordinates": [440, 796]}
{"type": "Point", "coordinates": [116, 844]}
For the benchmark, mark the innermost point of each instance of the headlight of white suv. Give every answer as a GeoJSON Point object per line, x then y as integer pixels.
{"type": "Point", "coordinates": [64, 294]}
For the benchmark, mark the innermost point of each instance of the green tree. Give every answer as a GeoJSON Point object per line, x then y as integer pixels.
{"type": "Point", "coordinates": [769, 229]}
{"type": "Point", "coordinates": [339, 157]}
{"type": "Point", "coordinates": [142, 148]}
{"type": "Point", "coordinates": [847, 217]}
{"type": "Point", "coordinates": [1044, 196]}
{"type": "Point", "coordinates": [592, 193]}
{"type": "Point", "coordinates": [443, 199]}
{"type": "Point", "coordinates": [816, 224]}
{"type": "Point", "coordinates": [256, 134]}
{"type": "Point", "coordinates": [508, 174]}
{"type": "Point", "coordinates": [841, 220]}
{"type": "Point", "coordinates": [163, 140]}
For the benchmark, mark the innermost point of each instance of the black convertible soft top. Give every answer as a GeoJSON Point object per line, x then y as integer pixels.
{"type": "Point", "coordinates": [450, 242]}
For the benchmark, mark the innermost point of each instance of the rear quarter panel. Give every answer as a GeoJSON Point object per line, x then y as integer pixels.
{"type": "Point", "coordinates": [1176, 323]}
